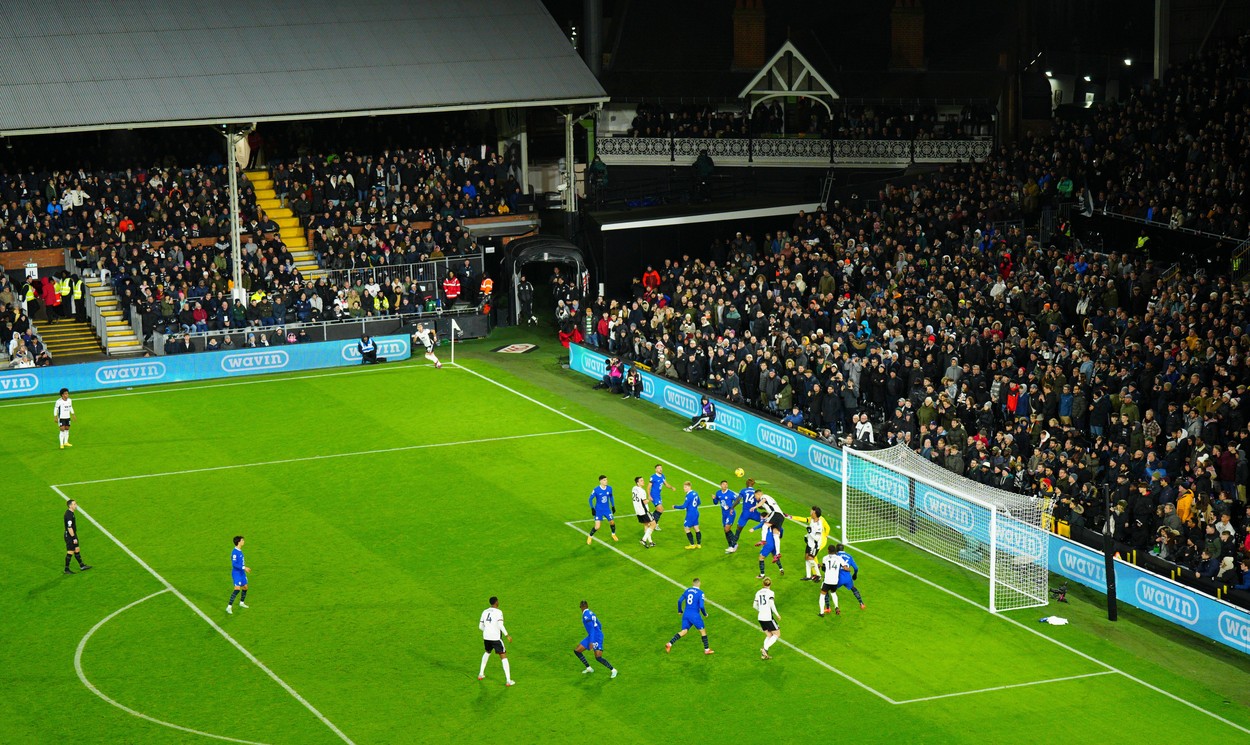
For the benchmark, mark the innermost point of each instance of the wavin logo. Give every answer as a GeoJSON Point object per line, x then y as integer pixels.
{"type": "Point", "coordinates": [781, 443]}
{"type": "Point", "coordinates": [887, 486]}
{"type": "Point", "coordinates": [134, 372]}
{"type": "Point", "coordinates": [681, 401]}
{"type": "Point", "coordinates": [387, 348]}
{"type": "Point", "coordinates": [17, 384]}
{"type": "Point", "coordinates": [246, 362]}
{"type": "Point", "coordinates": [596, 367]}
{"type": "Point", "coordinates": [1077, 565]}
{"type": "Point", "coordinates": [731, 422]}
{"type": "Point", "coordinates": [824, 460]}
{"type": "Point", "coordinates": [949, 512]}
{"type": "Point", "coordinates": [1235, 629]}
{"type": "Point", "coordinates": [648, 387]}
{"type": "Point", "coordinates": [1020, 541]}
{"type": "Point", "coordinates": [1167, 601]}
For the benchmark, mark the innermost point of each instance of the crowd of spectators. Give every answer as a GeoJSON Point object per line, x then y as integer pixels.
{"type": "Point", "coordinates": [100, 209]}
{"type": "Point", "coordinates": [1040, 369]}
{"type": "Point", "coordinates": [20, 345]}
{"type": "Point", "coordinates": [368, 210]}
{"type": "Point", "coordinates": [808, 118]}
{"type": "Point", "coordinates": [1173, 154]}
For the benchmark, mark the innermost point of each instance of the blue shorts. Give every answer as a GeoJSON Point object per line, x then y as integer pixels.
{"type": "Point", "coordinates": [692, 522]}
{"type": "Point", "coordinates": [846, 582]}
{"type": "Point", "coordinates": [657, 500]}
{"type": "Point", "coordinates": [728, 518]}
{"type": "Point", "coordinates": [594, 645]}
{"type": "Point", "coordinates": [748, 515]}
{"type": "Point", "coordinates": [603, 515]}
{"type": "Point", "coordinates": [240, 578]}
{"type": "Point", "coordinates": [769, 545]}
{"type": "Point", "coordinates": [687, 622]}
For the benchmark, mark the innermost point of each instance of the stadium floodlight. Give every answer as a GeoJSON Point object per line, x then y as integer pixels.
{"type": "Point", "coordinates": [896, 493]}
{"type": "Point", "coordinates": [1088, 79]}
{"type": "Point", "coordinates": [1128, 61]}
{"type": "Point", "coordinates": [1050, 74]}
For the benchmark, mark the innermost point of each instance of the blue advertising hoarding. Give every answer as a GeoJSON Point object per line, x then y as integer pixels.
{"type": "Point", "coordinates": [91, 376]}
{"type": "Point", "coordinates": [1160, 596]}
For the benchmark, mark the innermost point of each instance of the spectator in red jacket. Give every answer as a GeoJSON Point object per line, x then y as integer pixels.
{"type": "Point", "coordinates": [451, 288]}
{"type": "Point", "coordinates": [651, 279]}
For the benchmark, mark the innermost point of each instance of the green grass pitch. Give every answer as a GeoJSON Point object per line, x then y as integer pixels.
{"type": "Point", "coordinates": [382, 507]}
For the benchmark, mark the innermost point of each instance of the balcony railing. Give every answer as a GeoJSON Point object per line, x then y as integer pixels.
{"type": "Point", "coordinates": [795, 151]}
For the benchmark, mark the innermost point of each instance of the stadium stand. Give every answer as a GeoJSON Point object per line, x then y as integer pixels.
{"type": "Point", "coordinates": [1044, 369]}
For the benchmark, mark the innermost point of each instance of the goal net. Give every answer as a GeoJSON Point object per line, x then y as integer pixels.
{"type": "Point", "coordinates": [896, 493]}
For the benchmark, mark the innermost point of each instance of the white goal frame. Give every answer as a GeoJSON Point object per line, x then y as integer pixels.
{"type": "Point", "coordinates": [991, 532]}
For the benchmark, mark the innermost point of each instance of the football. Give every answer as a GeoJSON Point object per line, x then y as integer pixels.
{"type": "Point", "coordinates": [740, 473]}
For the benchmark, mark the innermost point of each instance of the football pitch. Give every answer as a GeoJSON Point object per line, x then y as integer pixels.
{"type": "Point", "coordinates": [383, 506]}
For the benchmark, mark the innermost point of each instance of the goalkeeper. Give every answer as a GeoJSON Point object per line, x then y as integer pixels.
{"type": "Point", "coordinates": [817, 538]}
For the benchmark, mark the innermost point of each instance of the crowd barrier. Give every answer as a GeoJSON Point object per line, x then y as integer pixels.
{"type": "Point", "coordinates": [1157, 595]}
{"type": "Point", "coordinates": [90, 376]}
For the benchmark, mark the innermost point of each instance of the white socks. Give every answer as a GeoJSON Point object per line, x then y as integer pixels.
{"type": "Point", "coordinates": [507, 672]}
{"type": "Point", "coordinates": [485, 659]}
{"type": "Point", "coordinates": [808, 566]}
{"type": "Point", "coordinates": [64, 434]}
{"type": "Point", "coordinates": [769, 641]}
{"type": "Point", "coordinates": [646, 535]}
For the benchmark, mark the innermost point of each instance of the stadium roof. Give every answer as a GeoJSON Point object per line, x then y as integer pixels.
{"type": "Point", "coordinates": [140, 63]}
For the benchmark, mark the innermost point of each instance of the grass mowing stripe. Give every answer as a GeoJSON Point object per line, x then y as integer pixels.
{"type": "Point", "coordinates": [302, 459]}
{"type": "Point", "coordinates": [1005, 687]}
{"type": "Point", "coordinates": [274, 676]}
{"type": "Point", "coordinates": [730, 613]}
{"type": "Point", "coordinates": [82, 644]}
{"type": "Point", "coordinates": [1035, 632]}
{"type": "Point", "coordinates": [1073, 650]}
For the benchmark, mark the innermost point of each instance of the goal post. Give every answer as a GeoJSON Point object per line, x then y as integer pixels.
{"type": "Point", "coordinates": [896, 493]}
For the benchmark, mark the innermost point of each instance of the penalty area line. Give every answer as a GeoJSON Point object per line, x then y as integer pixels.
{"type": "Point", "coordinates": [82, 676]}
{"type": "Point", "coordinates": [731, 614]}
{"type": "Point", "coordinates": [224, 634]}
{"type": "Point", "coordinates": [1005, 687]}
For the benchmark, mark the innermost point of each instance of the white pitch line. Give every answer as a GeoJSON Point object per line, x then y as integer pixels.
{"type": "Point", "coordinates": [302, 459]}
{"type": "Point", "coordinates": [161, 388]}
{"type": "Point", "coordinates": [1071, 649]}
{"type": "Point", "coordinates": [731, 614]}
{"type": "Point", "coordinates": [82, 644]}
{"type": "Point", "coordinates": [272, 675]}
{"type": "Point", "coordinates": [1003, 688]}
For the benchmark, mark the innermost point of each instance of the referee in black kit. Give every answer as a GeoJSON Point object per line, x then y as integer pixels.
{"type": "Point", "coordinates": [71, 537]}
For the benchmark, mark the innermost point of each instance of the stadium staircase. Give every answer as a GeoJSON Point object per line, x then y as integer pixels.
{"type": "Point", "coordinates": [122, 338]}
{"type": "Point", "coordinates": [289, 229]}
{"type": "Point", "coordinates": [69, 338]}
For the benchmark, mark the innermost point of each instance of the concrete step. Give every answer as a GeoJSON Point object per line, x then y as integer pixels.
{"type": "Point", "coordinates": [268, 204]}
{"type": "Point", "coordinates": [261, 184]}
{"type": "Point", "coordinates": [256, 173]}
{"type": "Point", "coordinates": [285, 222]}
{"type": "Point", "coordinates": [111, 313]}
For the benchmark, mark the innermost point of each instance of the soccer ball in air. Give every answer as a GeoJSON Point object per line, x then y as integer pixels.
{"type": "Point", "coordinates": [740, 473]}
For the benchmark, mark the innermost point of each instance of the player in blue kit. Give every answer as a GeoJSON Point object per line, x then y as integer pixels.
{"type": "Point", "coordinates": [692, 610]}
{"type": "Point", "coordinates": [239, 573]}
{"type": "Point", "coordinates": [727, 499]}
{"type": "Point", "coordinates": [691, 506]}
{"type": "Point", "coordinates": [769, 548]}
{"type": "Point", "coordinates": [593, 641]}
{"type": "Point", "coordinates": [747, 498]}
{"type": "Point", "coordinates": [602, 505]}
{"type": "Point", "coordinates": [848, 575]}
{"type": "Point", "coordinates": [658, 484]}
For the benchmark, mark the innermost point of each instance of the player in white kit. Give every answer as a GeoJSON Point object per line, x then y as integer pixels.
{"type": "Point", "coordinates": [642, 503]}
{"type": "Point", "coordinates": [493, 634]}
{"type": "Point", "coordinates": [428, 338]}
{"type": "Point", "coordinates": [63, 412]}
{"type": "Point", "coordinates": [766, 610]}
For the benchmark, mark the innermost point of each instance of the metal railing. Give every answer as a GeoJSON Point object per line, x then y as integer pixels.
{"type": "Point", "coordinates": [98, 322]}
{"type": "Point", "coordinates": [1164, 225]}
{"type": "Point", "coordinates": [1238, 266]}
{"type": "Point", "coordinates": [787, 151]}
{"type": "Point", "coordinates": [434, 271]}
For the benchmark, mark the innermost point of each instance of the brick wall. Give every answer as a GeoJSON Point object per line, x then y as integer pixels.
{"type": "Point", "coordinates": [749, 53]}
{"type": "Point", "coordinates": [907, 35]}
